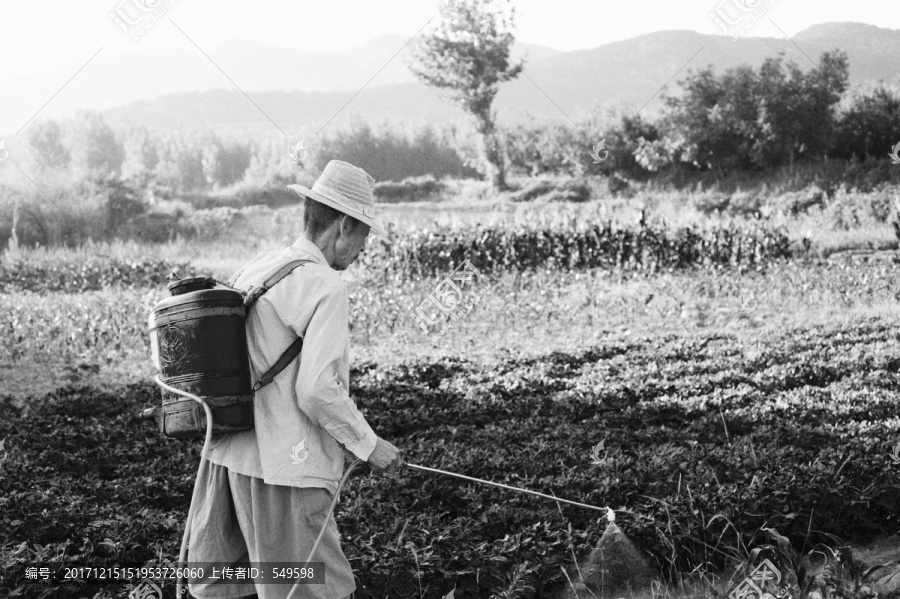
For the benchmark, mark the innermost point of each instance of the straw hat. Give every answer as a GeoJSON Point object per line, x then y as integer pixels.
{"type": "Point", "coordinates": [348, 189]}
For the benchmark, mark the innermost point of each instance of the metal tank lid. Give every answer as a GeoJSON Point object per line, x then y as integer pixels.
{"type": "Point", "coordinates": [191, 284]}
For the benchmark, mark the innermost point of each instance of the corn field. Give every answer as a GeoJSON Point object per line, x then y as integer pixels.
{"type": "Point", "coordinates": [415, 255]}
{"type": "Point", "coordinates": [604, 245]}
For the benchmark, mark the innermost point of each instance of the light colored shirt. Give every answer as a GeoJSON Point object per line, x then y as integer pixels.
{"type": "Point", "coordinates": [304, 416]}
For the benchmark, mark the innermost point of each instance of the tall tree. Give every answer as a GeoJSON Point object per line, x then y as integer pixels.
{"type": "Point", "coordinates": [96, 151]}
{"type": "Point", "coordinates": [717, 117]}
{"type": "Point", "coordinates": [141, 155]}
{"type": "Point", "coordinates": [46, 146]}
{"type": "Point", "coordinates": [469, 55]}
{"type": "Point", "coordinates": [799, 107]}
{"type": "Point", "coordinates": [744, 118]}
{"type": "Point", "coordinates": [868, 121]}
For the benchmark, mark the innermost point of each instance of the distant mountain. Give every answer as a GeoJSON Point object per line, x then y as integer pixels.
{"type": "Point", "coordinates": [633, 71]}
{"type": "Point", "coordinates": [170, 88]}
{"type": "Point", "coordinates": [874, 52]}
{"type": "Point", "coordinates": [259, 67]}
{"type": "Point", "coordinates": [111, 80]}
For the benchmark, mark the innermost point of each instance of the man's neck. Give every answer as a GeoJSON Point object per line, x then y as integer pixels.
{"type": "Point", "coordinates": [324, 245]}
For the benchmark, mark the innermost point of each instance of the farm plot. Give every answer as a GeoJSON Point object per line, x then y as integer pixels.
{"type": "Point", "coordinates": [704, 444]}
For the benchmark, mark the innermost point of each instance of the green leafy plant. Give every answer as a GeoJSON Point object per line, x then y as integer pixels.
{"type": "Point", "coordinates": [828, 571]}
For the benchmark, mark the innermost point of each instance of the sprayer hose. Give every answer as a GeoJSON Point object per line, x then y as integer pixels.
{"type": "Point", "coordinates": [182, 556]}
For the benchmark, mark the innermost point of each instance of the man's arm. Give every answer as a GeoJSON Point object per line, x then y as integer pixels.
{"type": "Point", "coordinates": [320, 392]}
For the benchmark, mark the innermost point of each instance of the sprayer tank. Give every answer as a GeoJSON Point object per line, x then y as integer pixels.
{"type": "Point", "coordinates": [200, 346]}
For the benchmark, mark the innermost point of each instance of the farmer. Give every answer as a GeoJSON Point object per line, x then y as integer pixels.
{"type": "Point", "coordinates": [267, 491]}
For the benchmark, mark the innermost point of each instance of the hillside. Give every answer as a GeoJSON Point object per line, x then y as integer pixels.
{"type": "Point", "coordinates": [173, 88]}
{"type": "Point", "coordinates": [556, 84]}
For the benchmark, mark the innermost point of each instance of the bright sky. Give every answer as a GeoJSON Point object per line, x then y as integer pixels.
{"type": "Point", "coordinates": [36, 36]}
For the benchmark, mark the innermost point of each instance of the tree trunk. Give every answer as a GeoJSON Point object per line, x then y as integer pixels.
{"type": "Point", "coordinates": [13, 244]}
{"type": "Point", "coordinates": [493, 152]}
{"type": "Point", "coordinates": [498, 161]}
{"type": "Point", "coordinates": [795, 141]}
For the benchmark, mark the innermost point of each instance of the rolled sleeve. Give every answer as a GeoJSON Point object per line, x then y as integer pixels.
{"type": "Point", "coordinates": [322, 382]}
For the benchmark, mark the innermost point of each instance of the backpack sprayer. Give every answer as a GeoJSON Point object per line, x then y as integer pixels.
{"type": "Point", "coordinates": [199, 345]}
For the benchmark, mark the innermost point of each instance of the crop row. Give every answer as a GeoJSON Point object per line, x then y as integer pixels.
{"type": "Point", "coordinates": [594, 245]}
{"type": "Point", "coordinates": [541, 308]}
{"type": "Point", "coordinates": [429, 253]}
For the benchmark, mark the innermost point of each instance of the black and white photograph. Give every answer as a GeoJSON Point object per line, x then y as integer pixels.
{"type": "Point", "coordinates": [449, 299]}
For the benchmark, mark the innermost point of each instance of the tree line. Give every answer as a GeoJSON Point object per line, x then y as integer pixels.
{"type": "Point", "coordinates": [741, 119]}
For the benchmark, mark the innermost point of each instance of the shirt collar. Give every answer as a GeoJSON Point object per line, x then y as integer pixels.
{"type": "Point", "coordinates": [304, 244]}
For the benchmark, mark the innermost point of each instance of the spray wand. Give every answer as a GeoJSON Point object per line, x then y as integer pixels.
{"type": "Point", "coordinates": [610, 514]}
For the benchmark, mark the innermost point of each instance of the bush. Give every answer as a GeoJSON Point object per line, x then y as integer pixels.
{"type": "Point", "coordinates": [533, 191]}
{"type": "Point", "coordinates": [273, 196]}
{"type": "Point", "coordinates": [562, 149]}
{"type": "Point", "coordinates": [881, 204]}
{"type": "Point", "coordinates": [390, 154]}
{"type": "Point", "coordinates": [412, 189]}
{"type": "Point", "coordinates": [801, 201]}
{"type": "Point", "coordinates": [209, 223]}
{"type": "Point", "coordinates": [59, 274]}
{"type": "Point", "coordinates": [65, 214]}
{"type": "Point", "coordinates": [156, 227]}
{"type": "Point", "coordinates": [540, 148]}
{"type": "Point", "coordinates": [711, 202]}
{"type": "Point", "coordinates": [745, 203]}
{"type": "Point", "coordinates": [618, 184]}
{"type": "Point", "coordinates": [576, 190]}
{"type": "Point", "coordinates": [572, 191]}
{"type": "Point", "coordinates": [625, 145]}
{"type": "Point", "coordinates": [871, 175]}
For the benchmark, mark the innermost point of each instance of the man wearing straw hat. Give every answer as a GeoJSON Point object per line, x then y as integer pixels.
{"type": "Point", "coordinates": [267, 491]}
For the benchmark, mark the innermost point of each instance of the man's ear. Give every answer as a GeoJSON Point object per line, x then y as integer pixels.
{"type": "Point", "coordinates": [348, 225]}
{"type": "Point", "coordinates": [342, 224]}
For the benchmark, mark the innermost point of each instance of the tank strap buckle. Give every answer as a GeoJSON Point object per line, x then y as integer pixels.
{"type": "Point", "coordinates": [254, 294]}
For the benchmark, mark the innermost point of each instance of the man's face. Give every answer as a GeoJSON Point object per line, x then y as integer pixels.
{"type": "Point", "coordinates": [350, 243]}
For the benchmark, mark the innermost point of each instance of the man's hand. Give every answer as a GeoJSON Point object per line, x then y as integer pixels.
{"type": "Point", "coordinates": [385, 458]}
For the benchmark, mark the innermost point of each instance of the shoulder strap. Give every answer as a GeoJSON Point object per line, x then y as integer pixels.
{"type": "Point", "coordinates": [256, 293]}
{"type": "Point", "coordinates": [286, 358]}
{"type": "Point", "coordinates": [294, 348]}
{"type": "Point", "coordinates": [235, 276]}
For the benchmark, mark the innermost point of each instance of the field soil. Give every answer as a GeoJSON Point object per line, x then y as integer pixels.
{"type": "Point", "coordinates": [704, 443]}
